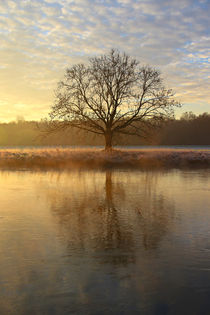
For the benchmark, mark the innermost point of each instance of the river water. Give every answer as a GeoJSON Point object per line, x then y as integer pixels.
{"type": "Point", "coordinates": [105, 242]}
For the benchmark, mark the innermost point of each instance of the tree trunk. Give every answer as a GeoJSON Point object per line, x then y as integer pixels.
{"type": "Point", "coordinates": [108, 141]}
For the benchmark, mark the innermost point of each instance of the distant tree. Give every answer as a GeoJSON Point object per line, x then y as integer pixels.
{"type": "Point", "coordinates": [188, 116]}
{"type": "Point", "coordinates": [109, 95]}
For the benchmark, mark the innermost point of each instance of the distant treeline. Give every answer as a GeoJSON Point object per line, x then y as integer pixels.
{"type": "Point", "coordinates": [188, 130]}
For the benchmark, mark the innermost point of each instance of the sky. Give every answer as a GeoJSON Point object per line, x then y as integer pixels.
{"type": "Point", "coordinates": [39, 39]}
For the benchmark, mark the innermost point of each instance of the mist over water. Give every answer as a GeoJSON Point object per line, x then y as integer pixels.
{"type": "Point", "coordinates": [105, 242]}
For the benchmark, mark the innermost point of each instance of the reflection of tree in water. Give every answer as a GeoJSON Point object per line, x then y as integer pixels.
{"type": "Point", "coordinates": [90, 221]}
{"type": "Point", "coordinates": [116, 234]}
{"type": "Point", "coordinates": [110, 221]}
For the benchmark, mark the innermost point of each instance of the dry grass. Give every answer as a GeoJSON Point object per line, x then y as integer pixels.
{"type": "Point", "coordinates": [94, 158]}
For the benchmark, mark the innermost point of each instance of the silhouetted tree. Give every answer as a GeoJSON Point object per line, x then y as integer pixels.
{"type": "Point", "coordinates": [188, 116]}
{"type": "Point", "coordinates": [111, 94]}
{"type": "Point", "coordinates": [189, 130]}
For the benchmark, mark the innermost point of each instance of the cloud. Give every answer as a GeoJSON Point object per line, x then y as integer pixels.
{"type": "Point", "coordinates": [39, 39]}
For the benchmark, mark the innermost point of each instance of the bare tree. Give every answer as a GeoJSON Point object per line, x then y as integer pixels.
{"type": "Point", "coordinates": [111, 94]}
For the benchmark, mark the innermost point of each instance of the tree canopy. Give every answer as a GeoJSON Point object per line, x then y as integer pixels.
{"type": "Point", "coordinates": [112, 94]}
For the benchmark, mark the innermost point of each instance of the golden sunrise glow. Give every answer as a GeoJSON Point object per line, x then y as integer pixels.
{"type": "Point", "coordinates": [39, 39]}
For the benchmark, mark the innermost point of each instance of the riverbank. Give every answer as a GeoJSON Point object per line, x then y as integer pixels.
{"type": "Point", "coordinates": [95, 158]}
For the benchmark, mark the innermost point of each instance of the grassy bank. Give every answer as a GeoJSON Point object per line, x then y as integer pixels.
{"type": "Point", "coordinates": [95, 158]}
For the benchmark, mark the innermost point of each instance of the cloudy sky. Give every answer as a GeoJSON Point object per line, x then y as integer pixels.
{"type": "Point", "coordinates": [40, 38]}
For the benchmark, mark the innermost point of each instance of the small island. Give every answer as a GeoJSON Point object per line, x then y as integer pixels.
{"type": "Point", "coordinates": [64, 158]}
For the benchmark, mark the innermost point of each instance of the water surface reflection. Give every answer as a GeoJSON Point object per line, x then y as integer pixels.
{"type": "Point", "coordinates": [105, 242]}
{"type": "Point", "coordinates": [112, 215]}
